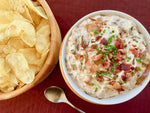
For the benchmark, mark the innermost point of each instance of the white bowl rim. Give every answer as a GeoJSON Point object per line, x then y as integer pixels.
{"type": "Point", "coordinates": [112, 100]}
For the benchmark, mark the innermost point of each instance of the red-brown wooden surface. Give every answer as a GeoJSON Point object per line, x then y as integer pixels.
{"type": "Point", "coordinates": [67, 12]}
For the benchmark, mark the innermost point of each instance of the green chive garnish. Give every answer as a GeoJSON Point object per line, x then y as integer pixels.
{"type": "Point", "coordinates": [132, 72]}
{"type": "Point", "coordinates": [95, 31]}
{"type": "Point", "coordinates": [136, 40]}
{"type": "Point", "coordinates": [139, 60]}
{"type": "Point", "coordinates": [95, 89]}
{"type": "Point", "coordinates": [109, 40]}
{"type": "Point", "coordinates": [72, 50]}
{"type": "Point", "coordinates": [139, 69]}
{"type": "Point", "coordinates": [92, 84]}
{"type": "Point", "coordinates": [104, 30]}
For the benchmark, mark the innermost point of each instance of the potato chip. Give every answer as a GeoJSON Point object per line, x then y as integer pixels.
{"type": "Point", "coordinates": [31, 55]}
{"type": "Point", "coordinates": [22, 29]}
{"type": "Point", "coordinates": [20, 67]}
{"type": "Point", "coordinates": [17, 62]}
{"type": "Point", "coordinates": [3, 5]}
{"type": "Point", "coordinates": [17, 43]}
{"type": "Point", "coordinates": [9, 16]}
{"type": "Point", "coordinates": [42, 23]}
{"type": "Point", "coordinates": [8, 82]}
{"type": "Point", "coordinates": [43, 40]}
{"type": "Point", "coordinates": [36, 8]}
{"type": "Point", "coordinates": [20, 7]}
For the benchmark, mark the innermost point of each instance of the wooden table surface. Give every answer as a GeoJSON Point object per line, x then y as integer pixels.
{"type": "Point", "coordinates": [67, 12]}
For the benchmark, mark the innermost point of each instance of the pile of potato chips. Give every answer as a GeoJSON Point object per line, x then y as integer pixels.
{"type": "Point", "coordinates": [24, 42]}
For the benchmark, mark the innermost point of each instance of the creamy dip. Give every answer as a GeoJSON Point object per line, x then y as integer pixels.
{"type": "Point", "coordinates": [106, 55]}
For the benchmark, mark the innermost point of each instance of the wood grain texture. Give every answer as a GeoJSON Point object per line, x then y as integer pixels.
{"type": "Point", "coordinates": [51, 59]}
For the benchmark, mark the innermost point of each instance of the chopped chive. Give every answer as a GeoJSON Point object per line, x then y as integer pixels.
{"type": "Point", "coordinates": [104, 55]}
{"type": "Point", "coordinates": [113, 31]}
{"type": "Point", "coordinates": [101, 33]}
{"type": "Point", "coordinates": [116, 76]}
{"type": "Point", "coordinates": [87, 46]}
{"type": "Point", "coordinates": [125, 82]}
{"type": "Point", "coordinates": [132, 72]}
{"type": "Point", "coordinates": [112, 70]}
{"type": "Point", "coordinates": [103, 74]}
{"type": "Point", "coordinates": [105, 46]}
{"type": "Point", "coordinates": [72, 50]}
{"type": "Point", "coordinates": [73, 65]}
{"type": "Point", "coordinates": [101, 14]}
{"type": "Point", "coordinates": [92, 84]}
{"type": "Point", "coordinates": [104, 30]}
{"type": "Point", "coordinates": [110, 76]}
{"type": "Point", "coordinates": [115, 58]}
{"type": "Point", "coordinates": [139, 69]}
{"type": "Point", "coordinates": [115, 67]}
{"type": "Point", "coordinates": [129, 58]}
{"type": "Point", "coordinates": [95, 31]}
{"type": "Point", "coordinates": [105, 59]}
{"type": "Point", "coordinates": [124, 41]}
{"type": "Point", "coordinates": [120, 81]}
{"type": "Point", "coordinates": [139, 60]}
{"type": "Point", "coordinates": [95, 89]}
{"type": "Point", "coordinates": [99, 52]}
{"type": "Point", "coordinates": [94, 44]}
{"type": "Point", "coordinates": [97, 48]}
{"type": "Point", "coordinates": [132, 37]}
{"type": "Point", "coordinates": [108, 27]}
{"type": "Point", "coordinates": [96, 63]}
{"type": "Point", "coordinates": [117, 36]}
{"type": "Point", "coordinates": [132, 28]}
{"type": "Point", "coordinates": [136, 40]}
{"type": "Point", "coordinates": [109, 40]}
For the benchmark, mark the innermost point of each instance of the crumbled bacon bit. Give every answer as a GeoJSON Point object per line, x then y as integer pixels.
{"type": "Point", "coordinates": [98, 37]}
{"type": "Point", "coordinates": [93, 46]}
{"type": "Point", "coordinates": [91, 26]}
{"type": "Point", "coordinates": [98, 21]}
{"type": "Point", "coordinates": [133, 45]}
{"type": "Point", "coordinates": [92, 41]}
{"type": "Point", "coordinates": [112, 82]}
{"type": "Point", "coordinates": [104, 41]}
{"type": "Point", "coordinates": [125, 67]}
{"type": "Point", "coordinates": [100, 29]}
{"type": "Point", "coordinates": [97, 57]}
{"type": "Point", "coordinates": [83, 44]}
{"type": "Point", "coordinates": [100, 78]}
{"type": "Point", "coordinates": [106, 64]}
{"type": "Point", "coordinates": [132, 68]}
{"type": "Point", "coordinates": [117, 71]}
{"type": "Point", "coordinates": [119, 43]}
{"type": "Point", "coordinates": [120, 89]}
{"type": "Point", "coordinates": [142, 54]}
{"type": "Point", "coordinates": [78, 56]}
{"type": "Point", "coordinates": [88, 83]}
{"type": "Point", "coordinates": [125, 77]}
{"type": "Point", "coordinates": [134, 51]}
{"type": "Point", "coordinates": [119, 56]}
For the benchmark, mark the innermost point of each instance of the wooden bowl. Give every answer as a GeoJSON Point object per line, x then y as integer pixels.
{"type": "Point", "coordinates": [51, 60]}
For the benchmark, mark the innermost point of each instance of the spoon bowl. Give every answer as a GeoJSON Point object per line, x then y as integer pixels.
{"type": "Point", "coordinates": [57, 95]}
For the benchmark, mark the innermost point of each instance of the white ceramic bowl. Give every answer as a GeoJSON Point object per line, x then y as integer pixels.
{"type": "Point", "coordinates": [79, 92]}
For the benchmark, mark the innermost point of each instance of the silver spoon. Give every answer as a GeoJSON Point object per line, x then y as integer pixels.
{"type": "Point", "coordinates": [56, 94]}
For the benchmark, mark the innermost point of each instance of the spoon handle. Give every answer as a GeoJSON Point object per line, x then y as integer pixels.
{"type": "Point", "coordinates": [75, 107]}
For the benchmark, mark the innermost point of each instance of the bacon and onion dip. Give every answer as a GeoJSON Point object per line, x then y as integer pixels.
{"type": "Point", "coordinates": [106, 55]}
